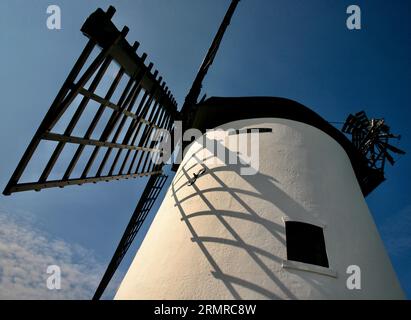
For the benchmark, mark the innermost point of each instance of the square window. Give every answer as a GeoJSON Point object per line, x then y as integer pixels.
{"type": "Point", "coordinates": [305, 243]}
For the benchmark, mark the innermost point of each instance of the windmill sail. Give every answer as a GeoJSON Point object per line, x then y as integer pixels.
{"type": "Point", "coordinates": [144, 106]}
{"type": "Point", "coordinates": [125, 144]}
{"type": "Point", "coordinates": [146, 202]}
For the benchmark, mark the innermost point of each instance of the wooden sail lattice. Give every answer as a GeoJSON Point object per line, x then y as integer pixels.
{"type": "Point", "coordinates": [123, 148]}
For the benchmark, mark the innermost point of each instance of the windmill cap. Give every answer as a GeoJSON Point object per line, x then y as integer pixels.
{"type": "Point", "coordinates": [216, 111]}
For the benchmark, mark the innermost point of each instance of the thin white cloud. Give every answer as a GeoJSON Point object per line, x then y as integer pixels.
{"type": "Point", "coordinates": [25, 253]}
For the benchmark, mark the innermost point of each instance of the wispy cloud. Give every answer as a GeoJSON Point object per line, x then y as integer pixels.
{"type": "Point", "coordinates": [25, 253]}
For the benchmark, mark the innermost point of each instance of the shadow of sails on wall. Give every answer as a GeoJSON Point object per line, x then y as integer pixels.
{"type": "Point", "coordinates": [115, 101]}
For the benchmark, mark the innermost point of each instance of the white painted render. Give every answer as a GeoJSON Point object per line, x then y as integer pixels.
{"type": "Point", "coordinates": [224, 236]}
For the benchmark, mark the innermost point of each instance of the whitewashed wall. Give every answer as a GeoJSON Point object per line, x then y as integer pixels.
{"type": "Point", "coordinates": [224, 237]}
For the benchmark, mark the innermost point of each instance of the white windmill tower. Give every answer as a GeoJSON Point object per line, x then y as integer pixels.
{"type": "Point", "coordinates": [290, 229]}
{"type": "Point", "coordinates": [289, 226]}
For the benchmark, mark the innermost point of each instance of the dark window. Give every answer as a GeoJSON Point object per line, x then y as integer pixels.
{"type": "Point", "coordinates": [305, 243]}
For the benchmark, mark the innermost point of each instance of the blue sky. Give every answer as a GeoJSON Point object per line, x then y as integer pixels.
{"type": "Point", "coordinates": [301, 50]}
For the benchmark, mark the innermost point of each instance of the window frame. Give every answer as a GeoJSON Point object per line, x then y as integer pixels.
{"type": "Point", "coordinates": [308, 267]}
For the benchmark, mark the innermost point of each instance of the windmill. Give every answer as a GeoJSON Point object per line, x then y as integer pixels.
{"type": "Point", "coordinates": [127, 143]}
